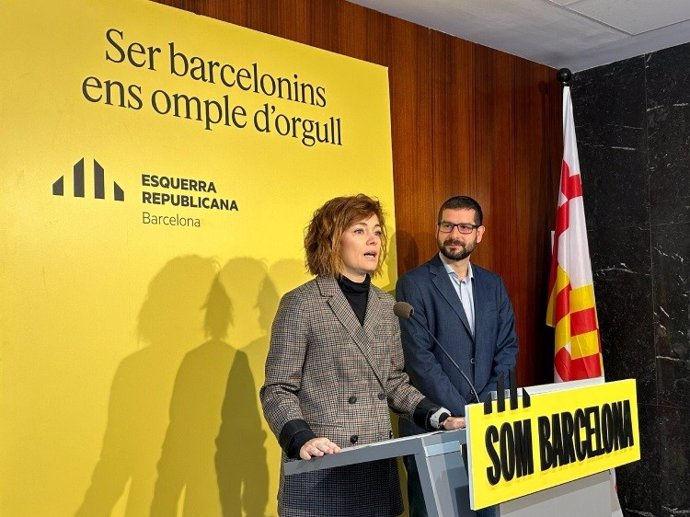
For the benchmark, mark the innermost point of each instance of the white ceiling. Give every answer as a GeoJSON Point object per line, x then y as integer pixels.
{"type": "Point", "coordinates": [577, 34]}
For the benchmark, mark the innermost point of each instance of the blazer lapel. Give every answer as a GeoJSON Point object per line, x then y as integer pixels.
{"type": "Point", "coordinates": [363, 336]}
{"type": "Point", "coordinates": [373, 315]}
{"type": "Point", "coordinates": [445, 287]}
{"type": "Point", "coordinates": [482, 302]}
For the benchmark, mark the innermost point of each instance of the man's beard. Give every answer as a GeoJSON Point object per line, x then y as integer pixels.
{"type": "Point", "coordinates": [465, 252]}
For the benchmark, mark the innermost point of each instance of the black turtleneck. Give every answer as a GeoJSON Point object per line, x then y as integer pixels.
{"type": "Point", "coordinates": [357, 294]}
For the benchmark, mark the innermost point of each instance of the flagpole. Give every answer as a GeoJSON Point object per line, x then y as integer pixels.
{"type": "Point", "coordinates": [564, 76]}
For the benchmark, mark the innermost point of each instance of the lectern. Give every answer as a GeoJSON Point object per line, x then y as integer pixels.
{"type": "Point", "coordinates": [441, 468]}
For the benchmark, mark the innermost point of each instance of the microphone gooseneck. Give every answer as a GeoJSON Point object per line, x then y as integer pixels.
{"type": "Point", "coordinates": [404, 310]}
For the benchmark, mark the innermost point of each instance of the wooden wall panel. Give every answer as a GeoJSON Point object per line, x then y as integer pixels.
{"type": "Point", "coordinates": [494, 172]}
{"type": "Point", "coordinates": [411, 96]}
{"type": "Point", "coordinates": [537, 156]}
{"type": "Point", "coordinates": [465, 119]}
{"type": "Point", "coordinates": [453, 100]}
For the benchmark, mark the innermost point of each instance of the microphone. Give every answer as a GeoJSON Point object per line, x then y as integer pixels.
{"type": "Point", "coordinates": [404, 310]}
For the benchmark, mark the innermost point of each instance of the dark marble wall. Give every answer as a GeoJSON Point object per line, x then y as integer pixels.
{"type": "Point", "coordinates": [633, 127]}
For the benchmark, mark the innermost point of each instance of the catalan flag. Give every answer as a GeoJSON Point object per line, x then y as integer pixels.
{"type": "Point", "coordinates": [572, 309]}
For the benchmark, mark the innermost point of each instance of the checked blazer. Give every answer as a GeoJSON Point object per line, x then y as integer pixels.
{"type": "Point", "coordinates": [340, 377]}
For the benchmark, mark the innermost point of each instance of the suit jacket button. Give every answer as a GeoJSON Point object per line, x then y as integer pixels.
{"type": "Point", "coordinates": [354, 438]}
{"type": "Point", "coordinates": [382, 396]}
{"type": "Point", "coordinates": [472, 361]}
{"type": "Point", "coordinates": [352, 399]}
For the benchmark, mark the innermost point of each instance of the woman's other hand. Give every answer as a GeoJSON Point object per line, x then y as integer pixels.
{"type": "Point", "coordinates": [453, 422]}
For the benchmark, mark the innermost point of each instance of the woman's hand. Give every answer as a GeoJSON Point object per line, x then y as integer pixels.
{"type": "Point", "coordinates": [453, 422]}
{"type": "Point", "coordinates": [318, 447]}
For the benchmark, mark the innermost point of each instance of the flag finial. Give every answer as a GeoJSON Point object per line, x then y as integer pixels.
{"type": "Point", "coordinates": [564, 76]}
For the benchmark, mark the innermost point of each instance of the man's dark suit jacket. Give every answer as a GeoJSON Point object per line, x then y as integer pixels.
{"type": "Point", "coordinates": [483, 356]}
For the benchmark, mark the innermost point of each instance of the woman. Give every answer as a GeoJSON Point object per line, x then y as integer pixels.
{"type": "Point", "coordinates": [335, 367]}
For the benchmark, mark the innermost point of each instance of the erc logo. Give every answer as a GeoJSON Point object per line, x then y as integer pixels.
{"type": "Point", "coordinates": [78, 183]}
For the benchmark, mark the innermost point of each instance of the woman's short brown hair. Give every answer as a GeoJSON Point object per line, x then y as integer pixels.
{"type": "Point", "coordinates": [322, 240]}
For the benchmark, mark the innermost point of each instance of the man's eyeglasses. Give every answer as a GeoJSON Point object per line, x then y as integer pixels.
{"type": "Point", "coordinates": [465, 228]}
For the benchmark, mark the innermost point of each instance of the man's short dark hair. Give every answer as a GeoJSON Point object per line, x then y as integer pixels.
{"type": "Point", "coordinates": [462, 203]}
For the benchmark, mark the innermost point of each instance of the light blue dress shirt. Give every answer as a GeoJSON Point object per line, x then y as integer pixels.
{"type": "Point", "coordinates": [463, 288]}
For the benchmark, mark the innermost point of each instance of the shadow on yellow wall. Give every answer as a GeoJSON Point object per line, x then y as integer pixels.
{"type": "Point", "coordinates": [184, 430]}
{"type": "Point", "coordinates": [169, 324]}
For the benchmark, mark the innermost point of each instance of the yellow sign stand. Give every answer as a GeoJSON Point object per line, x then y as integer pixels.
{"type": "Point", "coordinates": [530, 443]}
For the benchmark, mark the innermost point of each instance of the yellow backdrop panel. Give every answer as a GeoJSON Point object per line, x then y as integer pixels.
{"type": "Point", "coordinates": [157, 172]}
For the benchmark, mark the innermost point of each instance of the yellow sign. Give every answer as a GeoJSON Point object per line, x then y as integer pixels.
{"type": "Point", "coordinates": [158, 169]}
{"type": "Point", "coordinates": [550, 439]}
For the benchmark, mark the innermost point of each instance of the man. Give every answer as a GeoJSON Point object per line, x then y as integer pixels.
{"type": "Point", "coordinates": [468, 310]}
